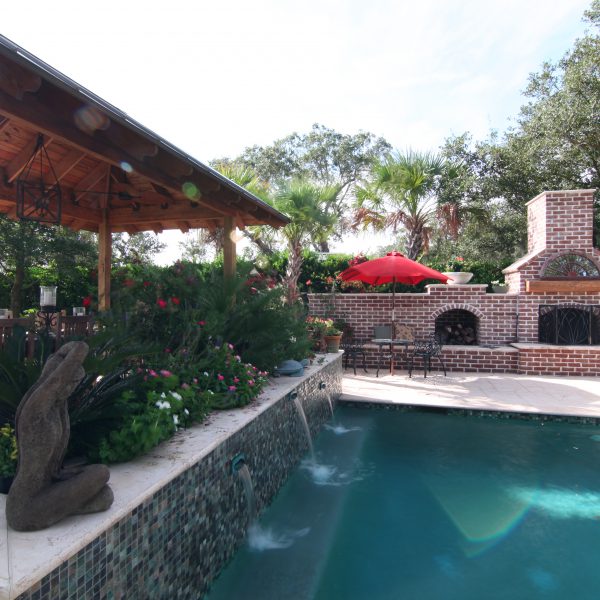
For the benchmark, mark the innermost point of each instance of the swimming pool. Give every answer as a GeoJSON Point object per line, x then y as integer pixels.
{"type": "Point", "coordinates": [415, 505]}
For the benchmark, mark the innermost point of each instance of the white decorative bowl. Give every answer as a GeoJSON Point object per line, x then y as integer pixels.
{"type": "Point", "coordinates": [458, 277]}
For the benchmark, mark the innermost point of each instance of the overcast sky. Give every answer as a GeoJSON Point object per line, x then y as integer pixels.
{"type": "Point", "coordinates": [216, 77]}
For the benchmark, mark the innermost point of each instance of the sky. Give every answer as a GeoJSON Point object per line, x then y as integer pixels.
{"type": "Point", "coordinates": [216, 77]}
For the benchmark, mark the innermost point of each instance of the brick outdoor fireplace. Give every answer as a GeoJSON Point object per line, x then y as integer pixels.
{"type": "Point", "coordinates": [547, 323]}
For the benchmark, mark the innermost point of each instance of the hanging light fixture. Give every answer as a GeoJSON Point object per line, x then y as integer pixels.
{"type": "Point", "coordinates": [37, 199]}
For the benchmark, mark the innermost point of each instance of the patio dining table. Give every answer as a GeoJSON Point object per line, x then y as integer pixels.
{"type": "Point", "coordinates": [389, 343]}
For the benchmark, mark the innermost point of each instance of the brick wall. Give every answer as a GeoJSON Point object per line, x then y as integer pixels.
{"type": "Point", "coordinates": [496, 313]}
{"type": "Point", "coordinates": [558, 360]}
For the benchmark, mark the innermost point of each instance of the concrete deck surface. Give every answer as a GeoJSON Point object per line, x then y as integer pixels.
{"type": "Point", "coordinates": [573, 396]}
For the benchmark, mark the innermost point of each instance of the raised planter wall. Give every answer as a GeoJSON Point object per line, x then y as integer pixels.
{"type": "Point", "coordinates": [177, 539]}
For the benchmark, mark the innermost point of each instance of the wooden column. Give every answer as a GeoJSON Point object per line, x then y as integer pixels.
{"type": "Point", "coordinates": [104, 259]}
{"type": "Point", "coordinates": [229, 259]}
{"type": "Point", "coordinates": [104, 252]}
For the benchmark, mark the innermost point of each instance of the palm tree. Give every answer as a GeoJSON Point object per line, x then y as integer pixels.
{"type": "Point", "coordinates": [402, 193]}
{"type": "Point", "coordinates": [307, 205]}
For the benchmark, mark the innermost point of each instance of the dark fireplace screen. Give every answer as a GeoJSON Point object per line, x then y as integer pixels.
{"type": "Point", "coordinates": [569, 325]}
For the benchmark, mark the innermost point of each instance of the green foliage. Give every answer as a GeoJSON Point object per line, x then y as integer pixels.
{"type": "Point", "coordinates": [8, 451]}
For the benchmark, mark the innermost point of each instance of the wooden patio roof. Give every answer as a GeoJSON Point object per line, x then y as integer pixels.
{"type": "Point", "coordinates": [114, 174]}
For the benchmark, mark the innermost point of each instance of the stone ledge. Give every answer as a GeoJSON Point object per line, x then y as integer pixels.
{"type": "Point", "coordinates": [26, 557]}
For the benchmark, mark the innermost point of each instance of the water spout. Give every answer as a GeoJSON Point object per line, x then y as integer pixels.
{"type": "Point", "coordinates": [240, 469]}
{"type": "Point", "coordinates": [322, 386]}
{"type": "Point", "coordinates": [302, 416]}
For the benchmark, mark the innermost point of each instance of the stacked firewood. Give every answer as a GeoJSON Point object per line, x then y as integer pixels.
{"type": "Point", "coordinates": [457, 334]}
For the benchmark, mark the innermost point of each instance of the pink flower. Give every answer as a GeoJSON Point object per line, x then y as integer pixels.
{"type": "Point", "coordinates": [251, 382]}
{"type": "Point", "coordinates": [201, 323]}
{"type": "Point", "coordinates": [232, 388]}
{"type": "Point", "coordinates": [230, 346]}
{"type": "Point", "coordinates": [165, 373]}
{"type": "Point", "coordinates": [185, 386]}
{"type": "Point", "coordinates": [308, 282]}
{"type": "Point", "coordinates": [161, 303]}
{"type": "Point", "coordinates": [236, 380]}
{"type": "Point", "coordinates": [152, 373]}
{"type": "Point", "coordinates": [220, 377]}
{"type": "Point", "coordinates": [195, 380]}
{"type": "Point", "coordinates": [253, 290]}
{"type": "Point", "coordinates": [167, 350]}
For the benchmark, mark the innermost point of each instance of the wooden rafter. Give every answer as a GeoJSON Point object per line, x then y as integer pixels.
{"type": "Point", "coordinates": [19, 162]}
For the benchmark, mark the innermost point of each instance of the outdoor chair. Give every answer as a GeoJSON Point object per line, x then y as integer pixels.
{"type": "Point", "coordinates": [353, 350]}
{"type": "Point", "coordinates": [425, 350]}
{"type": "Point", "coordinates": [20, 332]}
{"type": "Point", "coordinates": [73, 328]}
{"type": "Point", "coordinates": [385, 354]}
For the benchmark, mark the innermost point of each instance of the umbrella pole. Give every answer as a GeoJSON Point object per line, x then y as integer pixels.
{"type": "Point", "coordinates": [393, 325]}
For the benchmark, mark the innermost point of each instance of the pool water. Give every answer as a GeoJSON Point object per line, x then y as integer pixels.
{"type": "Point", "coordinates": [423, 506]}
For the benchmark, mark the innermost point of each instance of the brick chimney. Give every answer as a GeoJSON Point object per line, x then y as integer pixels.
{"type": "Point", "coordinates": [561, 221]}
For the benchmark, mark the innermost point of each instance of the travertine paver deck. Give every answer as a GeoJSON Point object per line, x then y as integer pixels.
{"type": "Point", "coordinates": [575, 396]}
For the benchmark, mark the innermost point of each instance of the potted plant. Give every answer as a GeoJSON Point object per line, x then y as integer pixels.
{"type": "Point", "coordinates": [454, 271]}
{"type": "Point", "coordinates": [499, 287]}
{"type": "Point", "coordinates": [317, 327]}
{"type": "Point", "coordinates": [333, 337]}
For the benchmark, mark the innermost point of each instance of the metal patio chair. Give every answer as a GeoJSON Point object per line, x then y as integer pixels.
{"type": "Point", "coordinates": [425, 350]}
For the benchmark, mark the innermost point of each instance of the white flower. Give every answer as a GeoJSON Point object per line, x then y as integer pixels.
{"type": "Point", "coordinates": [210, 392]}
{"type": "Point", "coordinates": [162, 405]}
{"type": "Point", "coordinates": [176, 419]}
{"type": "Point", "coordinates": [186, 411]}
{"type": "Point", "coordinates": [176, 395]}
{"type": "Point", "coordinates": [205, 374]}
{"type": "Point", "coordinates": [163, 395]}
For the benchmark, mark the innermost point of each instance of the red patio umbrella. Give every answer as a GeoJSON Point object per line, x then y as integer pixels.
{"type": "Point", "coordinates": [391, 268]}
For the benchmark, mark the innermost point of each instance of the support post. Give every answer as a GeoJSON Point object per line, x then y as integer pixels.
{"type": "Point", "coordinates": [229, 256]}
{"type": "Point", "coordinates": [104, 260]}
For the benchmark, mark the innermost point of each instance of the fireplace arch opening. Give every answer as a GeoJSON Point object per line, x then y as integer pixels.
{"type": "Point", "coordinates": [457, 327]}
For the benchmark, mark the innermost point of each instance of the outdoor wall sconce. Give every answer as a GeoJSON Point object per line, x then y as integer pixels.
{"type": "Point", "coordinates": [37, 200]}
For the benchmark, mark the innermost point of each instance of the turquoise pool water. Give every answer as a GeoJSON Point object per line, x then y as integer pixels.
{"type": "Point", "coordinates": [427, 506]}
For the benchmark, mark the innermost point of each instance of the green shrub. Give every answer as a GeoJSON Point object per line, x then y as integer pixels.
{"type": "Point", "coordinates": [8, 451]}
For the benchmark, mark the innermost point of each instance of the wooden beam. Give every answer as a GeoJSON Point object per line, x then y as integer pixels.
{"type": "Point", "coordinates": [184, 226]}
{"type": "Point", "coordinates": [229, 258]}
{"type": "Point", "coordinates": [563, 285]}
{"type": "Point", "coordinates": [174, 214]}
{"type": "Point", "coordinates": [157, 227]}
{"type": "Point", "coordinates": [4, 123]}
{"type": "Point", "coordinates": [17, 164]}
{"type": "Point", "coordinates": [87, 182]}
{"type": "Point", "coordinates": [67, 163]}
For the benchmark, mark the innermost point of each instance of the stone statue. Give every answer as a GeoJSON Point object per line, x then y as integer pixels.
{"type": "Point", "coordinates": [43, 492]}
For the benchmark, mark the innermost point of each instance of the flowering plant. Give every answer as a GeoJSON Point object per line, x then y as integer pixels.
{"type": "Point", "coordinates": [357, 260]}
{"type": "Point", "coordinates": [455, 265]}
{"type": "Point", "coordinates": [318, 325]}
{"type": "Point", "coordinates": [227, 380]}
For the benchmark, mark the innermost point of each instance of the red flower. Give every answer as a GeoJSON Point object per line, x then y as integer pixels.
{"type": "Point", "coordinates": [201, 323]}
{"type": "Point", "coordinates": [87, 301]}
{"type": "Point", "coordinates": [308, 282]}
{"type": "Point", "coordinates": [161, 303]}
{"type": "Point", "coordinates": [146, 283]}
{"type": "Point", "coordinates": [175, 300]}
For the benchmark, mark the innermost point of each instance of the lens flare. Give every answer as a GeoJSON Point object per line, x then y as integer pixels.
{"type": "Point", "coordinates": [90, 119]}
{"type": "Point", "coordinates": [190, 190]}
{"type": "Point", "coordinates": [126, 166]}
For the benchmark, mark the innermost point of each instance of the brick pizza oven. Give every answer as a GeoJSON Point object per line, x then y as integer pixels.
{"type": "Point", "coordinates": [547, 323]}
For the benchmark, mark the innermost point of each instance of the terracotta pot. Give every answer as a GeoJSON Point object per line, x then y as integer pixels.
{"type": "Point", "coordinates": [458, 277]}
{"type": "Point", "coordinates": [333, 343]}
